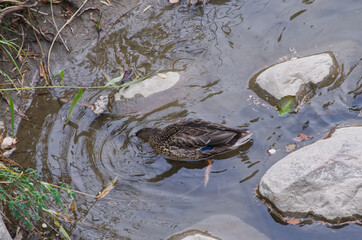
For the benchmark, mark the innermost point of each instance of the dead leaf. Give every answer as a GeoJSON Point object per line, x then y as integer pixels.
{"type": "Point", "coordinates": [293, 221]}
{"type": "Point", "coordinates": [106, 190]}
{"type": "Point", "coordinates": [161, 75]}
{"type": "Point", "coordinates": [304, 135]}
{"type": "Point", "coordinates": [290, 147]}
{"type": "Point", "coordinates": [301, 137]}
{"type": "Point", "coordinates": [174, 1]}
{"type": "Point", "coordinates": [207, 171]}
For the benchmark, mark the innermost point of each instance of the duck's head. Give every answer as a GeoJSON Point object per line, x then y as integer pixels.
{"type": "Point", "coordinates": [145, 133]}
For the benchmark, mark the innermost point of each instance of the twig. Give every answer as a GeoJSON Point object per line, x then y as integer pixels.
{"type": "Point", "coordinates": [15, 9]}
{"type": "Point", "coordinates": [88, 9]}
{"type": "Point", "coordinates": [56, 27]}
{"type": "Point", "coordinates": [34, 28]}
{"type": "Point", "coordinates": [22, 41]}
{"type": "Point", "coordinates": [56, 36]}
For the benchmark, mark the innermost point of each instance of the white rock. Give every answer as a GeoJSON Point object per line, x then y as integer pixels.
{"type": "Point", "coordinates": [8, 142]}
{"type": "Point", "coordinates": [324, 178]}
{"type": "Point", "coordinates": [288, 78]}
{"type": "Point", "coordinates": [150, 86]}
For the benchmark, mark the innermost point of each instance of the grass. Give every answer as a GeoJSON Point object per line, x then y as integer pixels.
{"type": "Point", "coordinates": [27, 197]}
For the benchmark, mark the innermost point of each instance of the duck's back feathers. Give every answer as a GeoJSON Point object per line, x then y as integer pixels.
{"type": "Point", "coordinates": [191, 139]}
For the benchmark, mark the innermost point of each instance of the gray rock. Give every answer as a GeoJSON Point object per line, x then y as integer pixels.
{"type": "Point", "coordinates": [295, 77]}
{"type": "Point", "coordinates": [2, 126]}
{"type": "Point", "coordinates": [4, 234]}
{"type": "Point", "coordinates": [222, 226]}
{"type": "Point", "coordinates": [322, 180]}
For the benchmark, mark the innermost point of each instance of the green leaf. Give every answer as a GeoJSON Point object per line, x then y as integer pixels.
{"type": "Point", "coordinates": [74, 103]}
{"type": "Point", "coordinates": [62, 230]}
{"type": "Point", "coordinates": [98, 24]}
{"type": "Point", "coordinates": [286, 105]}
{"type": "Point", "coordinates": [61, 74]}
{"type": "Point", "coordinates": [114, 81]}
{"type": "Point", "coordinates": [12, 114]}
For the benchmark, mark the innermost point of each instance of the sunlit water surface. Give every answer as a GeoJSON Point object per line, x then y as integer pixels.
{"type": "Point", "coordinates": [216, 49]}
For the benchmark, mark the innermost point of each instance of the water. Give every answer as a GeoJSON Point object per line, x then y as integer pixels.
{"type": "Point", "coordinates": [216, 49]}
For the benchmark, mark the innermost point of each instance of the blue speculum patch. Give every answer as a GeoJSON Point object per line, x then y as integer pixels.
{"type": "Point", "coordinates": [207, 148]}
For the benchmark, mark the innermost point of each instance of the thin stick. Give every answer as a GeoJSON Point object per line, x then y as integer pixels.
{"type": "Point", "coordinates": [56, 27]}
{"type": "Point", "coordinates": [15, 9]}
{"type": "Point", "coordinates": [61, 29]}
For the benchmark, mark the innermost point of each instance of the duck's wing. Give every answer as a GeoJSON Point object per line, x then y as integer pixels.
{"type": "Point", "coordinates": [196, 133]}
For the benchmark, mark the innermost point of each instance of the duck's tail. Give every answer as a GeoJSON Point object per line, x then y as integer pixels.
{"type": "Point", "coordinates": [245, 137]}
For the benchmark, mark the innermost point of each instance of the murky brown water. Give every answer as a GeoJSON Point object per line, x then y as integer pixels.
{"type": "Point", "coordinates": [216, 49]}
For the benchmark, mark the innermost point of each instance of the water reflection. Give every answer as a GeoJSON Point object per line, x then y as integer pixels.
{"type": "Point", "coordinates": [218, 49]}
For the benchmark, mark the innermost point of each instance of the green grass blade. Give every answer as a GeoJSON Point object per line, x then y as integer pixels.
{"type": "Point", "coordinates": [62, 230]}
{"type": "Point", "coordinates": [98, 25]}
{"type": "Point", "coordinates": [61, 74]}
{"type": "Point", "coordinates": [74, 103]}
{"type": "Point", "coordinates": [12, 114]}
{"type": "Point", "coordinates": [11, 80]}
{"type": "Point", "coordinates": [12, 59]}
{"type": "Point", "coordinates": [126, 85]}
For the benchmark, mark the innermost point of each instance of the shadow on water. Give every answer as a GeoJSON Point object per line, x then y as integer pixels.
{"type": "Point", "coordinates": [216, 49]}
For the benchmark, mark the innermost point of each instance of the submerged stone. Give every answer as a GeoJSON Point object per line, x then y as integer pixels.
{"type": "Point", "coordinates": [295, 77]}
{"type": "Point", "coordinates": [221, 226]}
{"type": "Point", "coordinates": [157, 83]}
{"type": "Point", "coordinates": [322, 180]}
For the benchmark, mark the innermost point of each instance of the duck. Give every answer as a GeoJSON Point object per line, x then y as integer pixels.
{"type": "Point", "coordinates": [194, 139]}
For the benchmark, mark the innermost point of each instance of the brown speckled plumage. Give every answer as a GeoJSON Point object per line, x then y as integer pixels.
{"type": "Point", "coordinates": [193, 139]}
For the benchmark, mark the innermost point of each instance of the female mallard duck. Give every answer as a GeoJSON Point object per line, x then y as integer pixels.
{"type": "Point", "coordinates": [193, 139]}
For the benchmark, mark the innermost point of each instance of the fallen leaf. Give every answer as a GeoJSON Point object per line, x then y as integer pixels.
{"type": "Point", "coordinates": [161, 75]}
{"type": "Point", "coordinates": [286, 105]}
{"type": "Point", "coordinates": [293, 221]}
{"type": "Point", "coordinates": [290, 147]}
{"type": "Point", "coordinates": [301, 137]}
{"type": "Point", "coordinates": [174, 1]}
{"type": "Point", "coordinates": [304, 135]}
{"type": "Point", "coordinates": [106, 190]}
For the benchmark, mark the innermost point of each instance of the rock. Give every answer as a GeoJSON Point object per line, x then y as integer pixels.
{"type": "Point", "coordinates": [322, 180]}
{"type": "Point", "coordinates": [4, 231]}
{"type": "Point", "coordinates": [222, 226]}
{"type": "Point", "coordinates": [8, 142]}
{"type": "Point", "coordinates": [149, 86]}
{"type": "Point", "coordinates": [2, 126]}
{"type": "Point", "coordinates": [295, 77]}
